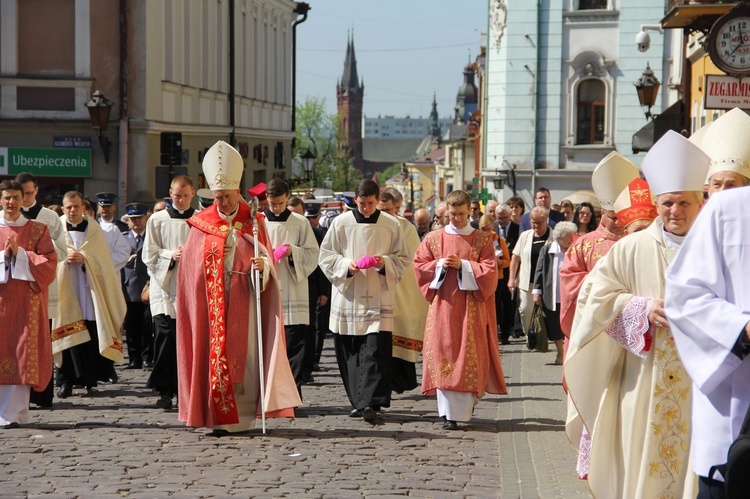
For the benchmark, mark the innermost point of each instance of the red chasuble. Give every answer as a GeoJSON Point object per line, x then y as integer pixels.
{"type": "Point", "coordinates": [460, 350]}
{"type": "Point", "coordinates": [579, 260]}
{"type": "Point", "coordinates": [212, 332]}
{"type": "Point", "coordinates": [26, 348]}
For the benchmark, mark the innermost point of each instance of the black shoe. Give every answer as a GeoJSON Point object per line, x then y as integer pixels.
{"type": "Point", "coordinates": [316, 367]}
{"type": "Point", "coordinates": [355, 413]}
{"type": "Point", "coordinates": [11, 426]}
{"type": "Point", "coordinates": [308, 378]}
{"type": "Point", "coordinates": [148, 364]}
{"type": "Point", "coordinates": [450, 425]}
{"type": "Point", "coordinates": [164, 402]}
{"type": "Point", "coordinates": [218, 433]}
{"type": "Point", "coordinates": [504, 341]}
{"type": "Point", "coordinates": [112, 376]}
{"type": "Point", "coordinates": [369, 414]}
{"type": "Point", "coordinates": [64, 392]}
{"type": "Point", "coordinates": [90, 391]}
{"type": "Point", "coordinates": [134, 365]}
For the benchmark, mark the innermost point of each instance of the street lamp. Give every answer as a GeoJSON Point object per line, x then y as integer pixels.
{"type": "Point", "coordinates": [647, 87]}
{"type": "Point", "coordinates": [328, 183]}
{"type": "Point", "coordinates": [99, 107]}
{"type": "Point", "coordinates": [408, 176]}
{"type": "Point", "coordinates": [307, 161]}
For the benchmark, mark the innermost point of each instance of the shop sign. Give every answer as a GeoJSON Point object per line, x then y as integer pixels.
{"type": "Point", "coordinates": [45, 162]}
{"type": "Point", "coordinates": [727, 92]}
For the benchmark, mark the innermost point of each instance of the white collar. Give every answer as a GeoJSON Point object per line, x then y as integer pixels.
{"type": "Point", "coordinates": [451, 229]}
{"type": "Point", "coordinates": [18, 222]}
{"type": "Point", "coordinates": [23, 208]}
{"type": "Point", "coordinates": [231, 216]}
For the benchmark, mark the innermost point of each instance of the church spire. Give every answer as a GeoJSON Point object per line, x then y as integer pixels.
{"type": "Point", "coordinates": [350, 79]}
{"type": "Point", "coordinates": [434, 123]}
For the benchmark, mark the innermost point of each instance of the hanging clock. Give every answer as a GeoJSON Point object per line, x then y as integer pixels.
{"type": "Point", "coordinates": [728, 41]}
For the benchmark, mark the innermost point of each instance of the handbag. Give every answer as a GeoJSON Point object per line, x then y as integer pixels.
{"type": "Point", "coordinates": [538, 330]}
{"type": "Point", "coordinates": [146, 292]}
{"type": "Point", "coordinates": [736, 477]}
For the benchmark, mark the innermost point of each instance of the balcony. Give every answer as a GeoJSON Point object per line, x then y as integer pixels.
{"type": "Point", "coordinates": [694, 15]}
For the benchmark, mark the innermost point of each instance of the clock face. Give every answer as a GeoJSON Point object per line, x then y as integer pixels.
{"type": "Point", "coordinates": [731, 44]}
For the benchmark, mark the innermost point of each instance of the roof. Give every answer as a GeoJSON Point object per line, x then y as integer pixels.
{"type": "Point", "coordinates": [389, 150]}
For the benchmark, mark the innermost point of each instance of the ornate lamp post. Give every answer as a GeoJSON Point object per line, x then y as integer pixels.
{"type": "Point", "coordinates": [647, 87]}
{"type": "Point", "coordinates": [99, 108]}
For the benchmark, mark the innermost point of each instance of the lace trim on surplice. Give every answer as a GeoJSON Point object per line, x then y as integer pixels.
{"type": "Point", "coordinates": [631, 325]}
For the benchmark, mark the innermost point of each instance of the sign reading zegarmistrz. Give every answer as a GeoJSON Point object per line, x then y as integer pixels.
{"type": "Point", "coordinates": [45, 162]}
{"type": "Point", "coordinates": [727, 92]}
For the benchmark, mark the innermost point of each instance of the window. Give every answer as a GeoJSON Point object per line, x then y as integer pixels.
{"type": "Point", "coordinates": [592, 4]}
{"type": "Point", "coordinates": [591, 115]}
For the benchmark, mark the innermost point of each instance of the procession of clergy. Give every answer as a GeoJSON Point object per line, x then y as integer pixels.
{"type": "Point", "coordinates": [656, 335]}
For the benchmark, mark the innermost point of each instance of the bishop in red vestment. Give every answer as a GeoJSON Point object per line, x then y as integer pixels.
{"type": "Point", "coordinates": [457, 273]}
{"type": "Point", "coordinates": [217, 350]}
{"type": "Point", "coordinates": [28, 270]}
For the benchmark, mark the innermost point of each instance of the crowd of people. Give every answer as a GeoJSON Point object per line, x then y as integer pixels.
{"type": "Point", "coordinates": [229, 304]}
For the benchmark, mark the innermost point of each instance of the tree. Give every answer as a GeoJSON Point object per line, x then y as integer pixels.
{"type": "Point", "coordinates": [319, 131]}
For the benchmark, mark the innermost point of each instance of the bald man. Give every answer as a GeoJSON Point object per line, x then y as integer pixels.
{"type": "Point", "coordinates": [422, 222]}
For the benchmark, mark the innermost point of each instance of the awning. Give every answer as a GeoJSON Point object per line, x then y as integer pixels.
{"type": "Point", "coordinates": [670, 119]}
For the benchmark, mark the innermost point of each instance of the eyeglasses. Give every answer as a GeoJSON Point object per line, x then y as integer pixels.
{"type": "Point", "coordinates": [584, 214]}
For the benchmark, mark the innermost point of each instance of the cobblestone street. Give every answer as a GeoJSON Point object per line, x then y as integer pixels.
{"type": "Point", "coordinates": [116, 444]}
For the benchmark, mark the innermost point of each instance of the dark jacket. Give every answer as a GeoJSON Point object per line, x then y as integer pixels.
{"type": "Point", "coordinates": [134, 274]}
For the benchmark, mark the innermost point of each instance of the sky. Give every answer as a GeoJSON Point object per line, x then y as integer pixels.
{"type": "Point", "coordinates": [406, 50]}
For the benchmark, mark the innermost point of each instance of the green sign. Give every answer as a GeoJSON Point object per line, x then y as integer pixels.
{"type": "Point", "coordinates": [45, 162]}
{"type": "Point", "coordinates": [485, 197]}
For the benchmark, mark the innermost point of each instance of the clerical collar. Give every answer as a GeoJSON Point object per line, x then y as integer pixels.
{"type": "Point", "coordinates": [361, 219]}
{"type": "Point", "coordinates": [281, 217]}
{"type": "Point", "coordinates": [18, 222]}
{"type": "Point", "coordinates": [31, 212]}
{"type": "Point", "coordinates": [79, 227]}
{"type": "Point", "coordinates": [175, 213]}
{"type": "Point", "coordinates": [231, 216]}
{"type": "Point", "coordinates": [671, 240]}
{"type": "Point", "coordinates": [452, 229]}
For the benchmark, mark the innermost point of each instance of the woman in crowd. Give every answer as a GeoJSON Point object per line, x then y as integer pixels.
{"type": "Point", "coordinates": [517, 208]}
{"type": "Point", "coordinates": [584, 220]}
{"type": "Point", "coordinates": [546, 290]}
{"type": "Point", "coordinates": [567, 208]}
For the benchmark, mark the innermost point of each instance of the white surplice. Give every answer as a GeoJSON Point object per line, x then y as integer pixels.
{"type": "Point", "coordinates": [164, 235]}
{"type": "Point", "coordinates": [362, 303]}
{"type": "Point", "coordinates": [708, 306]}
{"type": "Point", "coordinates": [293, 270]}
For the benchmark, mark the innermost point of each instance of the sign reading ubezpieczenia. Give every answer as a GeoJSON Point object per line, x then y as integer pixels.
{"type": "Point", "coordinates": [45, 162]}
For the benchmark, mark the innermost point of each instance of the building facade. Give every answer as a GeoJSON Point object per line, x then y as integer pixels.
{"type": "Point", "coordinates": [165, 66]}
{"type": "Point", "coordinates": [559, 88]}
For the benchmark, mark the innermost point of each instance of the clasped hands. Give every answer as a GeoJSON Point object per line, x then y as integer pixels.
{"type": "Point", "coordinates": [74, 257]}
{"type": "Point", "coordinates": [379, 262]}
{"type": "Point", "coordinates": [11, 247]}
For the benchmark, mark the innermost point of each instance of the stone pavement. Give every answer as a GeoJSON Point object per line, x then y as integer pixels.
{"type": "Point", "coordinates": [115, 444]}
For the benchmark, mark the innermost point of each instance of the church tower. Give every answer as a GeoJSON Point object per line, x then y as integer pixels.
{"type": "Point", "coordinates": [349, 93]}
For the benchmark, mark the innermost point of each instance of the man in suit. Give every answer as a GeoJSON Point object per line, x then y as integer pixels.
{"type": "Point", "coordinates": [505, 304]}
{"type": "Point", "coordinates": [134, 279]}
{"type": "Point", "coordinates": [542, 198]}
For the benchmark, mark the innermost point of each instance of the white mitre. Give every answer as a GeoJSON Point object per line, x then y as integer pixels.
{"type": "Point", "coordinates": [222, 167]}
{"type": "Point", "coordinates": [727, 143]}
{"type": "Point", "coordinates": [675, 164]}
{"type": "Point", "coordinates": [611, 176]}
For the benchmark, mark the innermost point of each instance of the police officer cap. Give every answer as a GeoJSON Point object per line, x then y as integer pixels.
{"type": "Point", "coordinates": [106, 198]}
{"type": "Point", "coordinates": [312, 207]}
{"type": "Point", "coordinates": [134, 210]}
{"type": "Point", "coordinates": [205, 197]}
{"type": "Point", "coordinates": [348, 199]}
